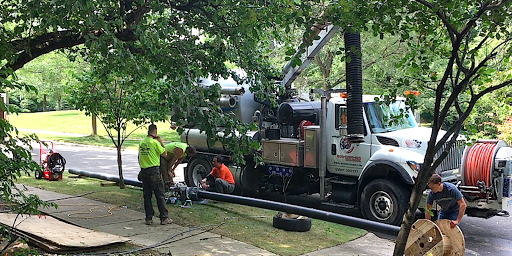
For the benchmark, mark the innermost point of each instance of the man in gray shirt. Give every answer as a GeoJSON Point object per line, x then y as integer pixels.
{"type": "Point", "coordinates": [448, 197]}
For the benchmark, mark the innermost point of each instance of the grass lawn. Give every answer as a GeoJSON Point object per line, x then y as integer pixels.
{"type": "Point", "coordinates": [244, 223]}
{"type": "Point", "coordinates": [103, 141]}
{"type": "Point", "coordinates": [74, 121]}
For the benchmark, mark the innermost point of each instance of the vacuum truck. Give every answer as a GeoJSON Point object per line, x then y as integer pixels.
{"type": "Point", "coordinates": [310, 148]}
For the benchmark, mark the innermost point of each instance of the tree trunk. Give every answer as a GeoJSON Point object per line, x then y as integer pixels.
{"type": "Point", "coordinates": [409, 216]}
{"type": "Point", "coordinates": [94, 126]}
{"type": "Point", "coordinates": [59, 103]}
{"type": "Point", "coordinates": [407, 221]}
{"type": "Point", "coordinates": [120, 167]}
{"type": "Point", "coordinates": [2, 113]}
{"type": "Point", "coordinates": [325, 68]}
{"type": "Point", "coordinates": [44, 102]}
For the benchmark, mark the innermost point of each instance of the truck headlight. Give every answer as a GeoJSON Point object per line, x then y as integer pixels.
{"type": "Point", "coordinates": [414, 166]}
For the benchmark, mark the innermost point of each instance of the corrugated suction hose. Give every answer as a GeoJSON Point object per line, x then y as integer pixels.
{"type": "Point", "coordinates": [355, 128]}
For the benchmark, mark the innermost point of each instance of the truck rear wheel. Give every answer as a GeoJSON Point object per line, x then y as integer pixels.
{"type": "Point", "coordinates": [197, 169]}
{"type": "Point", "coordinates": [384, 201]}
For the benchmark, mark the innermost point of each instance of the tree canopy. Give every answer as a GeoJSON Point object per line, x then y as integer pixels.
{"type": "Point", "coordinates": [177, 41]}
{"type": "Point", "coordinates": [186, 38]}
{"type": "Point", "coordinates": [118, 99]}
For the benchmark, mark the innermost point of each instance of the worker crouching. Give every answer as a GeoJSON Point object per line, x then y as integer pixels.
{"type": "Point", "coordinates": [220, 179]}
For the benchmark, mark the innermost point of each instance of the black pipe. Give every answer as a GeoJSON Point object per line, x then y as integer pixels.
{"type": "Point", "coordinates": [271, 205]}
{"type": "Point", "coordinates": [354, 80]}
{"type": "Point", "coordinates": [312, 213]}
{"type": "Point", "coordinates": [103, 176]}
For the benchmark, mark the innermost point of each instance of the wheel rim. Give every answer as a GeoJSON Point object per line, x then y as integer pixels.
{"type": "Point", "coordinates": [198, 173]}
{"type": "Point", "coordinates": [381, 205]}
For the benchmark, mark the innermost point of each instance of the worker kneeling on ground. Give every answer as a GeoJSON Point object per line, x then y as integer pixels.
{"type": "Point", "coordinates": [448, 197]}
{"type": "Point", "coordinates": [220, 179]}
{"type": "Point", "coordinates": [176, 152]}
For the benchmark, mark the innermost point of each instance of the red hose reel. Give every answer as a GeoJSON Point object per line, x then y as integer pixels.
{"type": "Point", "coordinates": [478, 164]}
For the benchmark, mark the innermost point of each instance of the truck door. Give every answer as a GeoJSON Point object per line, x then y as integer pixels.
{"type": "Point", "coordinates": [344, 157]}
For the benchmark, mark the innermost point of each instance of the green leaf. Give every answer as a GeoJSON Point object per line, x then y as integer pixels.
{"type": "Point", "coordinates": [290, 51]}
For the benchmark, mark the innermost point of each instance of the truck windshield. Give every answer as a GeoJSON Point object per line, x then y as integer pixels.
{"type": "Point", "coordinates": [382, 118]}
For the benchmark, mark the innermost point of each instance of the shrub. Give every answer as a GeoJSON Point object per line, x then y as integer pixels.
{"type": "Point", "coordinates": [505, 130]}
{"type": "Point", "coordinates": [29, 104]}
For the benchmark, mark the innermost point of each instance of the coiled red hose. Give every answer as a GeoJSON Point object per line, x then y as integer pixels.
{"type": "Point", "coordinates": [477, 166]}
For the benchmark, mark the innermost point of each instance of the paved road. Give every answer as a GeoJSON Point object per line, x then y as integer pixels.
{"type": "Point", "coordinates": [100, 160]}
{"type": "Point", "coordinates": [491, 236]}
{"type": "Point", "coordinates": [483, 236]}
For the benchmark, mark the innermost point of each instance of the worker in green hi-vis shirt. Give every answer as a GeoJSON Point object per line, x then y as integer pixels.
{"type": "Point", "coordinates": [150, 150]}
{"type": "Point", "coordinates": [176, 152]}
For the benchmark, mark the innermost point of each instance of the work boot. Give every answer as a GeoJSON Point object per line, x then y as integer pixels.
{"type": "Point", "coordinates": [165, 221]}
{"type": "Point", "coordinates": [149, 222]}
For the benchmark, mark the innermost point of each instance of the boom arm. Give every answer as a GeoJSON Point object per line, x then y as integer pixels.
{"type": "Point", "coordinates": [325, 31]}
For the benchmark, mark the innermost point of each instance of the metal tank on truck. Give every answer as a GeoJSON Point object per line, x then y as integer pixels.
{"type": "Point", "coordinates": [314, 147]}
{"type": "Point", "coordinates": [235, 99]}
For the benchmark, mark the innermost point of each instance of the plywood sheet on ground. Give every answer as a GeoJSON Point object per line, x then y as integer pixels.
{"type": "Point", "coordinates": [91, 214]}
{"type": "Point", "coordinates": [58, 232]}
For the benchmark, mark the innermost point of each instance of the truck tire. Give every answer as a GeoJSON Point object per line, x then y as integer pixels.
{"type": "Point", "coordinates": [197, 169]}
{"type": "Point", "coordinates": [384, 201]}
{"type": "Point", "coordinates": [297, 225]}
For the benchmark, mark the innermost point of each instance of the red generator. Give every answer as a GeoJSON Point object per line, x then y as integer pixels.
{"type": "Point", "coordinates": [51, 162]}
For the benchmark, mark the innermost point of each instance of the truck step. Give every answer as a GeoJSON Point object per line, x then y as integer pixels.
{"type": "Point", "coordinates": [342, 205]}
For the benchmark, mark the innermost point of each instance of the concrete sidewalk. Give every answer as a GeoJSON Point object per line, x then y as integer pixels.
{"type": "Point", "coordinates": [130, 224]}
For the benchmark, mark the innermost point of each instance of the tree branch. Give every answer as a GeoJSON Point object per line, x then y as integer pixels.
{"type": "Point", "coordinates": [130, 133]}
{"type": "Point", "coordinates": [457, 89]}
{"type": "Point", "coordinates": [439, 92]}
{"type": "Point", "coordinates": [452, 134]}
{"type": "Point", "coordinates": [442, 16]}
{"type": "Point", "coordinates": [493, 88]}
{"type": "Point", "coordinates": [135, 15]}
{"type": "Point", "coordinates": [188, 6]}
{"type": "Point", "coordinates": [472, 21]}
{"type": "Point", "coordinates": [30, 49]}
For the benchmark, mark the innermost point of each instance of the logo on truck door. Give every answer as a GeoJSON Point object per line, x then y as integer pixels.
{"type": "Point", "coordinates": [346, 146]}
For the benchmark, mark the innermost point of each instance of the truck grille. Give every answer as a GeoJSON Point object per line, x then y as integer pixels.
{"type": "Point", "coordinates": [453, 159]}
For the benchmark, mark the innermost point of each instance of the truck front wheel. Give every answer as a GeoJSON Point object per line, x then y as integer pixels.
{"type": "Point", "coordinates": [197, 169]}
{"type": "Point", "coordinates": [384, 201]}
